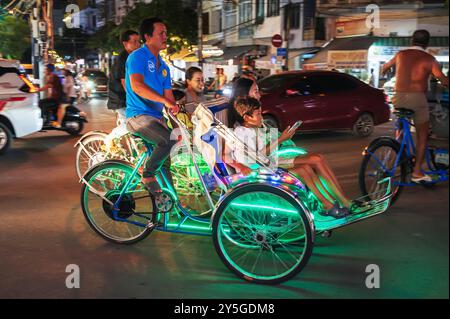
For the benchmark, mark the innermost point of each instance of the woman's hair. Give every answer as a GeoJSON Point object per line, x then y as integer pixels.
{"type": "Point", "coordinates": [190, 73]}
{"type": "Point", "coordinates": [178, 94]}
{"type": "Point", "coordinates": [246, 106]}
{"type": "Point", "coordinates": [241, 89]}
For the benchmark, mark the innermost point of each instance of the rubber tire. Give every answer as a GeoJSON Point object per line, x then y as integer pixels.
{"type": "Point", "coordinates": [76, 132]}
{"type": "Point", "coordinates": [9, 137]}
{"type": "Point", "coordinates": [358, 132]}
{"type": "Point", "coordinates": [276, 191]}
{"type": "Point", "coordinates": [403, 167]}
{"type": "Point", "coordinates": [88, 176]}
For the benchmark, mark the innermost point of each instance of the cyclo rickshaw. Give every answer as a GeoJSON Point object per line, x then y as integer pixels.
{"type": "Point", "coordinates": [263, 226]}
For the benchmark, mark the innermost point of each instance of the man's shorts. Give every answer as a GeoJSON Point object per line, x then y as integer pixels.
{"type": "Point", "coordinates": [415, 101]}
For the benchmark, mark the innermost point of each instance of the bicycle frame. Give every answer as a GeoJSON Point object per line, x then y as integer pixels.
{"type": "Point", "coordinates": [188, 224]}
{"type": "Point", "coordinates": [193, 225]}
{"type": "Point", "coordinates": [407, 147]}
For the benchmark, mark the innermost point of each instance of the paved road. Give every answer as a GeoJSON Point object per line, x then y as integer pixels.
{"type": "Point", "coordinates": [42, 230]}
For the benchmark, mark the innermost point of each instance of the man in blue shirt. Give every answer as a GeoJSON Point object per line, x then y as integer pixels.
{"type": "Point", "coordinates": [149, 90]}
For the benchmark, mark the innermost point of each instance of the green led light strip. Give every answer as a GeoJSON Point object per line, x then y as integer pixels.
{"type": "Point", "coordinates": [177, 226]}
{"type": "Point", "coordinates": [293, 151]}
{"type": "Point", "coordinates": [265, 207]}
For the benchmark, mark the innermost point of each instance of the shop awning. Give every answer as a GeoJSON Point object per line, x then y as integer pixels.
{"type": "Point", "coordinates": [190, 55]}
{"type": "Point", "coordinates": [236, 52]}
{"type": "Point", "coordinates": [293, 53]}
{"type": "Point", "coordinates": [231, 53]}
{"type": "Point", "coordinates": [342, 44]}
{"type": "Point", "coordinates": [181, 54]}
{"type": "Point", "coordinates": [406, 42]}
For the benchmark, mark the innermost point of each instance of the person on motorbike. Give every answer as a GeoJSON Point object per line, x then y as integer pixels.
{"type": "Point", "coordinates": [54, 94]}
{"type": "Point", "coordinates": [69, 87]}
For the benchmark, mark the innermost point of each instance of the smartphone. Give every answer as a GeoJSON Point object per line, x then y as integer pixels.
{"type": "Point", "coordinates": [295, 126]}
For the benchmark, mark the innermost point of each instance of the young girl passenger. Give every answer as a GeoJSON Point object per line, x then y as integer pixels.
{"type": "Point", "coordinates": [311, 168]}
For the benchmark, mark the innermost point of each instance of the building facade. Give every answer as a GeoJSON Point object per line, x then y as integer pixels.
{"type": "Point", "coordinates": [248, 27]}
{"type": "Point", "coordinates": [363, 35]}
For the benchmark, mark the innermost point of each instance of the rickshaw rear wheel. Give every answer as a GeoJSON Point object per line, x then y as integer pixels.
{"type": "Point", "coordinates": [108, 178]}
{"type": "Point", "coordinates": [262, 234]}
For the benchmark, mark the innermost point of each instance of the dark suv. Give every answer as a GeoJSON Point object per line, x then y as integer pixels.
{"type": "Point", "coordinates": [323, 100]}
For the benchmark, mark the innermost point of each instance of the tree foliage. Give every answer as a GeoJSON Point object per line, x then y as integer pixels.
{"type": "Point", "coordinates": [181, 24]}
{"type": "Point", "coordinates": [74, 42]}
{"type": "Point", "coordinates": [14, 37]}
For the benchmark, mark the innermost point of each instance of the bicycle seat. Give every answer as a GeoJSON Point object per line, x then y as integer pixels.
{"type": "Point", "coordinates": [402, 112]}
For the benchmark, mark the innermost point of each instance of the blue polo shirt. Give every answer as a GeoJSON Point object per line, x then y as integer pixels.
{"type": "Point", "coordinates": [142, 61]}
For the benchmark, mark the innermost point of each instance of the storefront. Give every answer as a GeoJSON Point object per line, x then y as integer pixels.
{"type": "Point", "coordinates": [272, 63]}
{"type": "Point", "coordinates": [349, 54]}
{"type": "Point", "coordinates": [384, 49]}
{"type": "Point", "coordinates": [364, 56]}
{"type": "Point", "coordinates": [186, 58]}
{"type": "Point", "coordinates": [233, 59]}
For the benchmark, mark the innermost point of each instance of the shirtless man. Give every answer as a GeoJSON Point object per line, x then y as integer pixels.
{"type": "Point", "coordinates": [413, 69]}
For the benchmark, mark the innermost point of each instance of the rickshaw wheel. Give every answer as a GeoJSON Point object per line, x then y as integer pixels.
{"type": "Point", "coordinates": [262, 234]}
{"type": "Point", "coordinates": [108, 178]}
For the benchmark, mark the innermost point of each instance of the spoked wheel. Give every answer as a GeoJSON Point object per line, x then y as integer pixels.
{"type": "Point", "coordinates": [188, 185]}
{"type": "Point", "coordinates": [105, 183]}
{"type": "Point", "coordinates": [364, 125]}
{"type": "Point", "coordinates": [91, 152]}
{"type": "Point", "coordinates": [262, 234]}
{"type": "Point", "coordinates": [378, 164]}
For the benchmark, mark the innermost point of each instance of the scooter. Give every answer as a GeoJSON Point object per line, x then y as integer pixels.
{"type": "Point", "coordinates": [73, 121]}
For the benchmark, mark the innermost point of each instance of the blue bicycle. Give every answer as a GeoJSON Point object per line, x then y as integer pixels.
{"type": "Point", "coordinates": [395, 158]}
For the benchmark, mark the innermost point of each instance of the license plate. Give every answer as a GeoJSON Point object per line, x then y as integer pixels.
{"type": "Point", "coordinates": [442, 159]}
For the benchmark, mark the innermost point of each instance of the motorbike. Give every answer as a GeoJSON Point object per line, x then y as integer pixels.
{"type": "Point", "coordinates": [73, 121]}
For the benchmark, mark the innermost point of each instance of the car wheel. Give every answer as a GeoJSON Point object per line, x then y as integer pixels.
{"type": "Point", "coordinates": [364, 125]}
{"type": "Point", "coordinates": [5, 138]}
{"type": "Point", "coordinates": [270, 121]}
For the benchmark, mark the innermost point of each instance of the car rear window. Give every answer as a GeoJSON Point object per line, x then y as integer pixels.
{"type": "Point", "coordinates": [274, 83]}
{"type": "Point", "coordinates": [332, 83]}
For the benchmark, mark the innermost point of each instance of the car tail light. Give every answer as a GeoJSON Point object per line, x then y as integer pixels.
{"type": "Point", "coordinates": [30, 87]}
{"type": "Point", "coordinates": [11, 99]}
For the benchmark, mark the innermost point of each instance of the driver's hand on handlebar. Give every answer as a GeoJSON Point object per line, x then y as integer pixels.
{"type": "Point", "coordinates": [173, 107]}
